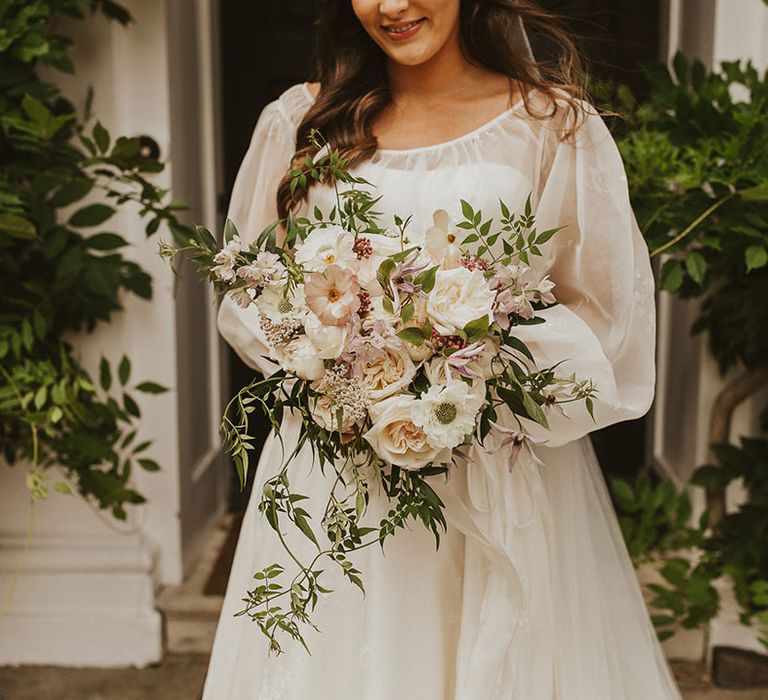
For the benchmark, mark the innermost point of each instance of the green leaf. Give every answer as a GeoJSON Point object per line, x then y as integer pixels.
{"type": "Point", "coordinates": [467, 211]}
{"type": "Point", "coordinates": [544, 236]}
{"type": "Point", "coordinates": [303, 525]}
{"type": "Point", "coordinates": [124, 370]}
{"type": "Point", "coordinates": [17, 226]}
{"type": "Point", "coordinates": [477, 329]}
{"type": "Point", "coordinates": [534, 410]}
{"type": "Point", "coordinates": [71, 193]}
{"type": "Point", "coordinates": [62, 487]}
{"type": "Point", "coordinates": [92, 215]}
{"type": "Point", "coordinates": [520, 346]}
{"type": "Point", "coordinates": [406, 313]}
{"type": "Point", "coordinates": [230, 230]}
{"type": "Point", "coordinates": [696, 266]}
{"type": "Point", "coordinates": [756, 257]}
{"type": "Point", "coordinates": [105, 241]}
{"type": "Point", "coordinates": [151, 388]}
{"type": "Point", "coordinates": [131, 406]}
{"type": "Point", "coordinates": [101, 137]}
{"type": "Point", "coordinates": [412, 336]}
{"type": "Point", "coordinates": [426, 279]}
{"type": "Point", "coordinates": [759, 193]}
{"type": "Point", "coordinates": [149, 465]}
{"type": "Point", "coordinates": [205, 238]}
{"type": "Point", "coordinates": [622, 492]}
{"type": "Point", "coordinates": [105, 374]}
{"type": "Point", "coordinates": [671, 276]}
{"type": "Point", "coordinates": [385, 269]}
{"type": "Point", "coordinates": [36, 110]}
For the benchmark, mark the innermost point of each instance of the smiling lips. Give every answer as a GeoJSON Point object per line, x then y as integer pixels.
{"type": "Point", "coordinates": [401, 31]}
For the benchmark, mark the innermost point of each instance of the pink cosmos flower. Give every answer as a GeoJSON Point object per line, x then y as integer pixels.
{"type": "Point", "coordinates": [332, 295]}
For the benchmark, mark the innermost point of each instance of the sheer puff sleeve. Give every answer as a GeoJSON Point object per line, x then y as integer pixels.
{"type": "Point", "coordinates": [604, 325]}
{"type": "Point", "coordinates": [252, 208]}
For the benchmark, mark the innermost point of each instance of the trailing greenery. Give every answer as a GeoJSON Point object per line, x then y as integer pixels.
{"type": "Point", "coordinates": [697, 166]}
{"type": "Point", "coordinates": [63, 180]}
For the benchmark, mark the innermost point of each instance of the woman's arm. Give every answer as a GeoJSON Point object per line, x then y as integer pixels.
{"type": "Point", "coordinates": [252, 208]}
{"type": "Point", "coordinates": [605, 324]}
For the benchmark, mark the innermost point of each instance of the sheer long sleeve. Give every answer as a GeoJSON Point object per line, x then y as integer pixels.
{"type": "Point", "coordinates": [252, 208]}
{"type": "Point", "coordinates": [604, 326]}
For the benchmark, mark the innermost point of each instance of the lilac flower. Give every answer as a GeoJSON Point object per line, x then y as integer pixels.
{"type": "Point", "coordinates": [461, 358]}
{"type": "Point", "coordinates": [406, 268]}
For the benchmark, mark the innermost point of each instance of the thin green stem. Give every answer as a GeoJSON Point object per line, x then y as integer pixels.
{"type": "Point", "coordinates": [679, 237]}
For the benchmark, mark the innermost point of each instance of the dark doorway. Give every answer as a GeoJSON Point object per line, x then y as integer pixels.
{"type": "Point", "coordinates": [267, 46]}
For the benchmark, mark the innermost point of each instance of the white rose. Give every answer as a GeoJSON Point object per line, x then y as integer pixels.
{"type": "Point", "coordinates": [301, 358]}
{"type": "Point", "coordinates": [330, 245]}
{"type": "Point", "coordinates": [397, 439]}
{"type": "Point", "coordinates": [459, 296]}
{"type": "Point", "coordinates": [384, 371]}
{"type": "Point", "coordinates": [329, 340]}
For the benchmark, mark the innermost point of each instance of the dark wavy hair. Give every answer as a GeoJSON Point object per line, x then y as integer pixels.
{"type": "Point", "coordinates": [354, 87]}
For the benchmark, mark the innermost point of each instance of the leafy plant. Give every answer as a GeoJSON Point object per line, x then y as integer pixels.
{"type": "Point", "coordinates": [63, 180]}
{"type": "Point", "coordinates": [697, 165]}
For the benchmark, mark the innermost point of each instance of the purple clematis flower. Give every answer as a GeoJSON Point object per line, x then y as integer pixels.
{"type": "Point", "coordinates": [461, 358]}
{"type": "Point", "coordinates": [406, 268]}
{"type": "Point", "coordinates": [519, 442]}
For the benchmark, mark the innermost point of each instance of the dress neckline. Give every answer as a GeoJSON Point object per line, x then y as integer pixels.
{"type": "Point", "coordinates": [440, 144]}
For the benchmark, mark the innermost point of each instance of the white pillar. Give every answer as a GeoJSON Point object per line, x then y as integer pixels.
{"type": "Point", "coordinates": [86, 595]}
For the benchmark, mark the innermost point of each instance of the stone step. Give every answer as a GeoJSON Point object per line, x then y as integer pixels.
{"type": "Point", "coordinates": [189, 613]}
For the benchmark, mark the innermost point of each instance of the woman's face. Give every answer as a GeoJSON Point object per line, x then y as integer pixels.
{"type": "Point", "coordinates": [409, 33]}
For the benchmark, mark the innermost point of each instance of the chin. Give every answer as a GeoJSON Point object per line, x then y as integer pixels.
{"type": "Point", "coordinates": [410, 56]}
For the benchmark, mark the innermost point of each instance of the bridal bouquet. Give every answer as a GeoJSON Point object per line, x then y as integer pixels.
{"type": "Point", "coordinates": [396, 356]}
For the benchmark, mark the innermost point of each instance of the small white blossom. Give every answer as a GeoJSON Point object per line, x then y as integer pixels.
{"type": "Point", "coordinates": [265, 269]}
{"type": "Point", "coordinates": [277, 304]}
{"type": "Point", "coordinates": [447, 413]}
{"type": "Point", "coordinates": [226, 259]}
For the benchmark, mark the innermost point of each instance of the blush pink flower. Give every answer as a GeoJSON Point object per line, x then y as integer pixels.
{"type": "Point", "coordinates": [332, 295]}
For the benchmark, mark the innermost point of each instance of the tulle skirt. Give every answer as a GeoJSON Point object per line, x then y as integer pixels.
{"type": "Point", "coordinates": [530, 596]}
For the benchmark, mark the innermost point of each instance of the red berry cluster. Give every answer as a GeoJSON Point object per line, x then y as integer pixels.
{"type": "Point", "coordinates": [362, 247]}
{"type": "Point", "coordinates": [472, 262]}
{"type": "Point", "coordinates": [365, 302]}
{"type": "Point", "coordinates": [452, 342]}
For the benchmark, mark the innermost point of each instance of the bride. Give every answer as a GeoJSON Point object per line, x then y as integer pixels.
{"type": "Point", "coordinates": [532, 594]}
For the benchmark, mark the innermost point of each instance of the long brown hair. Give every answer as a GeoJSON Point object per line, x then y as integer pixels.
{"type": "Point", "coordinates": [351, 70]}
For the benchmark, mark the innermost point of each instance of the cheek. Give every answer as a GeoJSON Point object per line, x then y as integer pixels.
{"type": "Point", "coordinates": [366, 11]}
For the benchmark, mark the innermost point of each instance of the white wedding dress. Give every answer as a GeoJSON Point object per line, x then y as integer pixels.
{"type": "Point", "coordinates": [532, 594]}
